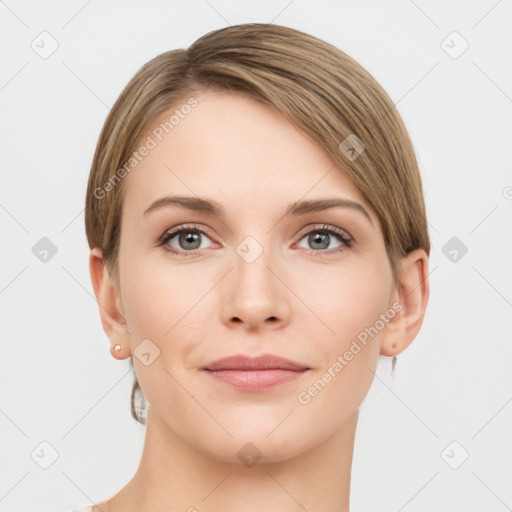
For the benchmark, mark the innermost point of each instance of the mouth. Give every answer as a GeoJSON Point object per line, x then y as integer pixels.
{"type": "Point", "coordinates": [255, 373]}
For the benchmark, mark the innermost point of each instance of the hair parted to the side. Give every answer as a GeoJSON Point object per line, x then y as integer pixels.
{"type": "Point", "coordinates": [313, 84]}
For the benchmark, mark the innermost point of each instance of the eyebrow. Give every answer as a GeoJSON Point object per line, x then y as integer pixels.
{"type": "Point", "coordinates": [211, 207]}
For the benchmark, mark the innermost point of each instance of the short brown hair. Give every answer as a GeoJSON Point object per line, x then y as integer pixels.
{"type": "Point", "coordinates": [313, 84]}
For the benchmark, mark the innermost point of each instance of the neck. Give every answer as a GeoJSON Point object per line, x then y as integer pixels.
{"type": "Point", "coordinates": [175, 476]}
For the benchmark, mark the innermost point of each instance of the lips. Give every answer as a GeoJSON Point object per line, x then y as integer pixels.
{"type": "Point", "coordinates": [262, 362]}
{"type": "Point", "coordinates": [255, 373]}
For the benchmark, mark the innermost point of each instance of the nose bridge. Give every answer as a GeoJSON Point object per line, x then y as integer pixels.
{"type": "Point", "coordinates": [252, 269]}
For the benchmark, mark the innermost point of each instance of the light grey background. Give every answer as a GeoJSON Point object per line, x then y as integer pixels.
{"type": "Point", "coordinates": [60, 385]}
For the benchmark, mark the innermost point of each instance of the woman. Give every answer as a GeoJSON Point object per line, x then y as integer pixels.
{"type": "Point", "coordinates": [258, 239]}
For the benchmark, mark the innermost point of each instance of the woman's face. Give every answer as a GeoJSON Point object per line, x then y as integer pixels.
{"type": "Point", "coordinates": [258, 281]}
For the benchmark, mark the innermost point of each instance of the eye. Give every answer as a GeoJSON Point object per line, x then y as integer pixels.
{"type": "Point", "coordinates": [189, 240]}
{"type": "Point", "coordinates": [320, 238]}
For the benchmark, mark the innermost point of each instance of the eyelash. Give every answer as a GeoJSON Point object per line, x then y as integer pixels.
{"type": "Point", "coordinates": [341, 235]}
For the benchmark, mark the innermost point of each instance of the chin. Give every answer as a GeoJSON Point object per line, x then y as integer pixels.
{"type": "Point", "coordinates": [256, 443]}
{"type": "Point", "coordinates": [251, 451]}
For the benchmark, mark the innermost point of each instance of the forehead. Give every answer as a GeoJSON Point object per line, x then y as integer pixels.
{"type": "Point", "coordinates": [236, 150]}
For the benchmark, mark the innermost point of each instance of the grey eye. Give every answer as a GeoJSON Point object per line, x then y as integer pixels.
{"type": "Point", "coordinates": [319, 240]}
{"type": "Point", "coordinates": [189, 240]}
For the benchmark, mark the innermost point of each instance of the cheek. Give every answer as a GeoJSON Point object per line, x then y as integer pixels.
{"type": "Point", "coordinates": [351, 306]}
{"type": "Point", "coordinates": [156, 296]}
{"type": "Point", "coordinates": [348, 301]}
{"type": "Point", "coordinates": [148, 306]}
{"type": "Point", "coordinates": [159, 306]}
{"type": "Point", "coordinates": [163, 304]}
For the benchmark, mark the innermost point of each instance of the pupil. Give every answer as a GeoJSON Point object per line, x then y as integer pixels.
{"type": "Point", "coordinates": [318, 237]}
{"type": "Point", "coordinates": [190, 238]}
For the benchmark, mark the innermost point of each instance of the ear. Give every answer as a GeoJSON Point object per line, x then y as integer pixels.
{"type": "Point", "coordinates": [110, 306]}
{"type": "Point", "coordinates": [410, 300]}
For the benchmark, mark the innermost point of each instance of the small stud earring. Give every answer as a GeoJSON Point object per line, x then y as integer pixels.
{"type": "Point", "coordinates": [117, 348]}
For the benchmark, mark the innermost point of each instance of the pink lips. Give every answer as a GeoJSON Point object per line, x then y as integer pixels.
{"type": "Point", "coordinates": [255, 373]}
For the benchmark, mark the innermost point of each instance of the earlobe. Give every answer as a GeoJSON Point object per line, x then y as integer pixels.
{"type": "Point", "coordinates": [412, 295]}
{"type": "Point", "coordinates": [109, 303]}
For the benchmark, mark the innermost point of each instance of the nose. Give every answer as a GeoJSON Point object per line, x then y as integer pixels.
{"type": "Point", "coordinates": [254, 295]}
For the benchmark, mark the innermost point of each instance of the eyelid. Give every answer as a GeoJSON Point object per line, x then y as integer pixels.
{"type": "Point", "coordinates": [184, 227]}
{"type": "Point", "coordinates": [176, 230]}
{"type": "Point", "coordinates": [344, 237]}
{"type": "Point", "coordinates": [324, 227]}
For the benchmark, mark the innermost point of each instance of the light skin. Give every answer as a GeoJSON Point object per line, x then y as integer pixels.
{"type": "Point", "coordinates": [302, 298]}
